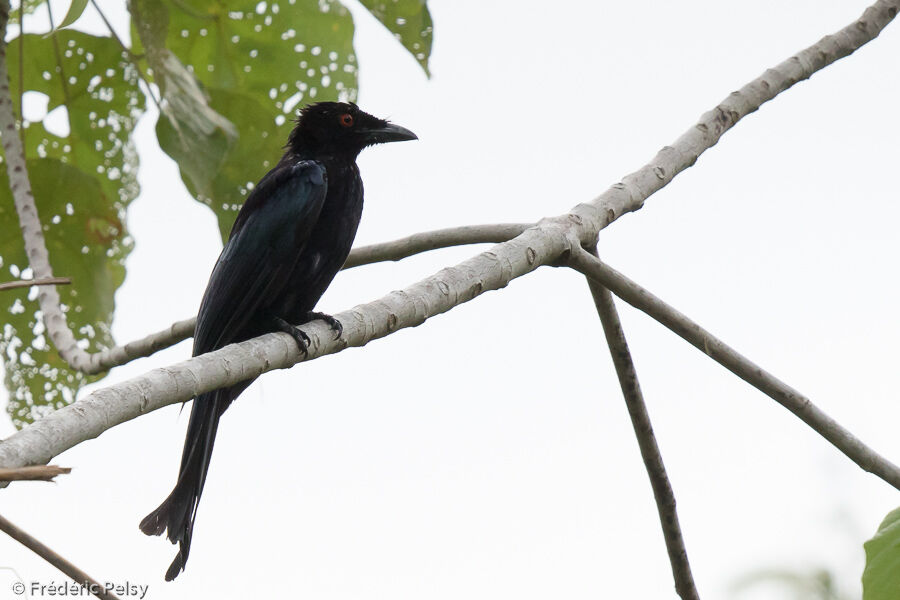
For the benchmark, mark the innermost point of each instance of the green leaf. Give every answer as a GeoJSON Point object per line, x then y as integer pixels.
{"type": "Point", "coordinates": [881, 577]}
{"type": "Point", "coordinates": [228, 162]}
{"type": "Point", "coordinates": [75, 10]}
{"type": "Point", "coordinates": [98, 88]}
{"type": "Point", "coordinates": [410, 22]}
{"type": "Point", "coordinates": [87, 241]}
{"type": "Point", "coordinates": [256, 62]}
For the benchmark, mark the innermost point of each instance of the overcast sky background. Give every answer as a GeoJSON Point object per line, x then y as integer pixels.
{"type": "Point", "coordinates": [488, 453]}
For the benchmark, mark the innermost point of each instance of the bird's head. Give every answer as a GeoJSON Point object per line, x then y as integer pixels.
{"type": "Point", "coordinates": [340, 129]}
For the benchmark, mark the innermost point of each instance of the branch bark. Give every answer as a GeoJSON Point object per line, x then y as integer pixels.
{"type": "Point", "coordinates": [433, 240]}
{"type": "Point", "coordinates": [643, 431]}
{"type": "Point", "coordinates": [36, 473]}
{"type": "Point", "coordinates": [798, 404]}
{"type": "Point", "coordinates": [47, 553]}
{"type": "Point", "coordinates": [544, 243]}
{"type": "Point", "coordinates": [11, 285]}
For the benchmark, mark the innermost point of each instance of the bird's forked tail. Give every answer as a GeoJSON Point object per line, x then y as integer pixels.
{"type": "Point", "coordinates": [177, 512]}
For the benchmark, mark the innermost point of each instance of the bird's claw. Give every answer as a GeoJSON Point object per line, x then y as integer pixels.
{"type": "Point", "coordinates": [332, 322]}
{"type": "Point", "coordinates": [301, 338]}
{"type": "Point", "coordinates": [298, 334]}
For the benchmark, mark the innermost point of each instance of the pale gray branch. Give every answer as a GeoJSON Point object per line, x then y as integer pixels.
{"type": "Point", "coordinates": [788, 397]}
{"type": "Point", "coordinates": [539, 245]}
{"type": "Point", "coordinates": [34, 473]}
{"type": "Point", "coordinates": [433, 240]}
{"type": "Point", "coordinates": [11, 285]}
{"type": "Point", "coordinates": [120, 355]}
{"type": "Point", "coordinates": [47, 553]}
{"type": "Point", "coordinates": [643, 431]}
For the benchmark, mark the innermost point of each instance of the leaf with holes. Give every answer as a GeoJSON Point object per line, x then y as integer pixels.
{"type": "Point", "coordinates": [881, 578]}
{"type": "Point", "coordinates": [83, 180]}
{"type": "Point", "coordinates": [87, 242]}
{"type": "Point", "coordinates": [410, 22]}
{"type": "Point", "coordinates": [95, 88]}
{"type": "Point", "coordinates": [256, 62]}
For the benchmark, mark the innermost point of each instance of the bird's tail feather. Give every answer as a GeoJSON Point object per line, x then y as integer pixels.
{"type": "Point", "coordinates": [178, 511]}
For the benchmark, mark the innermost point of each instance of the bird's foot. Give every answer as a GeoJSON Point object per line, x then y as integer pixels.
{"type": "Point", "coordinates": [332, 322]}
{"type": "Point", "coordinates": [298, 334]}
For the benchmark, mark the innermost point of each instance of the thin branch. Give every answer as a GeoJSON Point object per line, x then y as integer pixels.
{"type": "Point", "coordinates": [77, 575]}
{"type": "Point", "coordinates": [539, 245]}
{"type": "Point", "coordinates": [131, 55]}
{"type": "Point", "coordinates": [432, 240]}
{"type": "Point", "coordinates": [788, 397]}
{"type": "Point", "coordinates": [643, 431]}
{"type": "Point", "coordinates": [22, 73]}
{"type": "Point", "coordinates": [59, 62]}
{"type": "Point", "coordinates": [11, 285]}
{"type": "Point", "coordinates": [120, 355]}
{"type": "Point", "coordinates": [109, 27]}
{"type": "Point", "coordinates": [35, 473]}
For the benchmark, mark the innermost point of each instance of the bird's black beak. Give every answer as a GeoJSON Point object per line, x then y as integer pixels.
{"type": "Point", "coordinates": [388, 133]}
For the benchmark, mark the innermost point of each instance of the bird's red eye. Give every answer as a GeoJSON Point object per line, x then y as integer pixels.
{"type": "Point", "coordinates": [346, 120]}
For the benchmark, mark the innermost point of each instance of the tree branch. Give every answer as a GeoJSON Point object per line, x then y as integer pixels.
{"type": "Point", "coordinates": [544, 243]}
{"type": "Point", "coordinates": [433, 240]}
{"type": "Point", "coordinates": [11, 285]}
{"type": "Point", "coordinates": [643, 431]}
{"type": "Point", "coordinates": [798, 404]}
{"type": "Point", "coordinates": [35, 473]}
{"type": "Point", "coordinates": [45, 552]}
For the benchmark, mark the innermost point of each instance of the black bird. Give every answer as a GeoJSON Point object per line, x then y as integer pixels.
{"type": "Point", "coordinates": [290, 239]}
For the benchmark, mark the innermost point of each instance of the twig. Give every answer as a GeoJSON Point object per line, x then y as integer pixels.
{"type": "Point", "coordinates": [433, 240]}
{"type": "Point", "coordinates": [109, 27]}
{"type": "Point", "coordinates": [131, 55]}
{"type": "Point", "coordinates": [11, 285]}
{"type": "Point", "coordinates": [22, 72]}
{"type": "Point", "coordinates": [788, 397]}
{"type": "Point", "coordinates": [35, 473]}
{"type": "Point", "coordinates": [643, 431]}
{"type": "Point", "coordinates": [59, 60]}
{"type": "Point", "coordinates": [77, 575]}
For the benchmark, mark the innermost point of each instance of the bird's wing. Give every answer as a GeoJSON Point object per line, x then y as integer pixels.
{"type": "Point", "coordinates": [268, 236]}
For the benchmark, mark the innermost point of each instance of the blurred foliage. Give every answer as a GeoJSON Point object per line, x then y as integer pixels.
{"type": "Point", "coordinates": [814, 584]}
{"type": "Point", "coordinates": [28, 5]}
{"type": "Point", "coordinates": [230, 76]}
{"type": "Point", "coordinates": [881, 577]}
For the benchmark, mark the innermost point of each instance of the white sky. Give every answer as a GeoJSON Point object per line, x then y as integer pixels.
{"type": "Point", "coordinates": [487, 453]}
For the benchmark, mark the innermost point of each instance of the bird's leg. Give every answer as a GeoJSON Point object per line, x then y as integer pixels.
{"type": "Point", "coordinates": [332, 322]}
{"type": "Point", "coordinates": [299, 336]}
